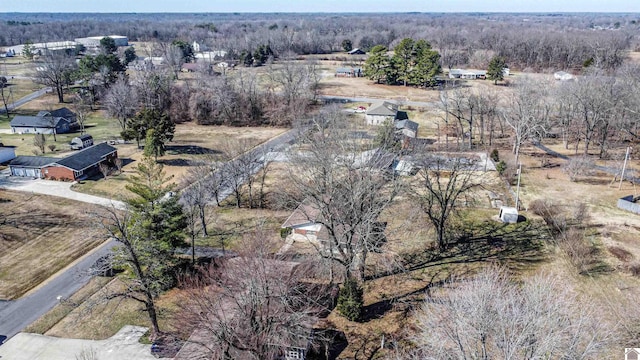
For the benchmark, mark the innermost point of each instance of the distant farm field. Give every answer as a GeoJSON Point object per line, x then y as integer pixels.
{"type": "Point", "coordinates": [40, 235]}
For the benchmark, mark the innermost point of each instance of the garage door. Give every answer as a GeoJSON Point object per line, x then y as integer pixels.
{"type": "Point", "coordinates": [25, 172]}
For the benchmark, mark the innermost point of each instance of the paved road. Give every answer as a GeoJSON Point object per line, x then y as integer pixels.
{"type": "Point", "coordinates": [26, 99]}
{"type": "Point", "coordinates": [18, 314]}
{"type": "Point", "coordinates": [347, 99]}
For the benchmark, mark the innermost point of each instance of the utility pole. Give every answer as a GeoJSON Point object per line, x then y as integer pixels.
{"type": "Point", "coordinates": [624, 166]}
{"type": "Point", "coordinates": [518, 187]}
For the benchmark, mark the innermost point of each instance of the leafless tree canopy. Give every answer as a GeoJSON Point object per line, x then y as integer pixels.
{"type": "Point", "coordinates": [445, 180]}
{"type": "Point", "coordinates": [121, 101]}
{"type": "Point", "coordinates": [533, 41]}
{"type": "Point", "coordinates": [55, 71]}
{"type": "Point", "coordinates": [344, 185]}
{"type": "Point", "coordinates": [491, 316]}
{"type": "Point", "coordinates": [253, 306]}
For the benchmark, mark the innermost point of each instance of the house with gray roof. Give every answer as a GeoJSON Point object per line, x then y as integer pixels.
{"type": "Point", "coordinates": [407, 128]}
{"type": "Point", "coordinates": [378, 113]}
{"type": "Point", "coordinates": [59, 121]}
{"type": "Point", "coordinates": [29, 166]}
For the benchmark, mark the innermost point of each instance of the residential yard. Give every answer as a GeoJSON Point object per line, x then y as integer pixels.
{"type": "Point", "coordinates": [192, 145]}
{"type": "Point", "coordinates": [40, 235]}
{"type": "Point", "coordinates": [398, 279]}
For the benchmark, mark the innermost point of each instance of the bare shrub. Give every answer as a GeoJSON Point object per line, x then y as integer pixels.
{"type": "Point", "coordinates": [118, 163]}
{"type": "Point", "coordinates": [581, 253]}
{"type": "Point", "coordinates": [550, 213]}
{"type": "Point", "coordinates": [579, 166]}
{"type": "Point", "coordinates": [620, 253]}
{"type": "Point", "coordinates": [491, 317]}
{"type": "Point", "coordinates": [581, 213]}
{"type": "Point", "coordinates": [633, 268]}
{"type": "Point", "coordinates": [40, 142]}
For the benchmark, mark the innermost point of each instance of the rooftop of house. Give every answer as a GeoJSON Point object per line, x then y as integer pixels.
{"type": "Point", "coordinates": [87, 157]}
{"type": "Point", "coordinates": [467, 72]}
{"type": "Point", "coordinates": [407, 124]}
{"type": "Point", "coordinates": [36, 121]}
{"type": "Point", "coordinates": [62, 112]}
{"type": "Point", "coordinates": [305, 213]}
{"type": "Point", "coordinates": [384, 108]}
{"type": "Point", "coordinates": [33, 161]}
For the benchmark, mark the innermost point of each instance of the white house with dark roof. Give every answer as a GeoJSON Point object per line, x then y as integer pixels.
{"type": "Point", "coordinates": [58, 121]}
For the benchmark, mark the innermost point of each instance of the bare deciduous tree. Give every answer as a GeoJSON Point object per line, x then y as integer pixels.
{"type": "Point", "coordinates": [444, 180]}
{"type": "Point", "coordinates": [492, 317]}
{"type": "Point", "coordinates": [40, 141]}
{"type": "Point", "coordinates": [344, 188]}
{"type": "Point", "coordinates": [104, 169]}
{"type": "Point", "coordinates": [82, 109]}
{"type": "Point", "coordinates": [121, 102]}
{"type": "Point", "coordinates": [527, 114]}
{"type": "Point", "coordinates": [252, 307]}
{"type": "Point", "coordinates": [54, 71]}
{"type": "Point", "coordinates": [3, 85]}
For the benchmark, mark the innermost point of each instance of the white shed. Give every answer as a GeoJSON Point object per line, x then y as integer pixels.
{"type": "Point", "coordinates": [509, 215]}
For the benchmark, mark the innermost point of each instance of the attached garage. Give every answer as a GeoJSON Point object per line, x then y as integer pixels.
{"type": "Point", "coordinates": [29, 166]}
{"type": "Point", "coordinates": [70, 168]}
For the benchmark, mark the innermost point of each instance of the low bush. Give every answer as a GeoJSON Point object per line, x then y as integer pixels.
{"type": "Point", "coordinates": [495, 156]}
{"type": "Point", "coordinates": [579, 166]}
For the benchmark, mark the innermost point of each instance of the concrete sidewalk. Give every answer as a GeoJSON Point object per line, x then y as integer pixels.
{"type": "Point", "coordinates": [123, 345]}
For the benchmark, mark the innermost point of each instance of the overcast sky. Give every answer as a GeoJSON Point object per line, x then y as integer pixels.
{"type": "Point", "coordinates": [319, 5]}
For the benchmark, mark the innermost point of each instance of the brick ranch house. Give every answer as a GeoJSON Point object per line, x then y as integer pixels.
{"type": "Point", "coordinates": [71, 168]}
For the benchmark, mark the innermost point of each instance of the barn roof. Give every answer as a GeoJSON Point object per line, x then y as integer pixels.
{"type": "Point", "coordinates": [87, 157]}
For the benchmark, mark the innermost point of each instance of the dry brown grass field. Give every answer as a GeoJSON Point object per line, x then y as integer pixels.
{"type": "Point", "coordinates": [40, 235]}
